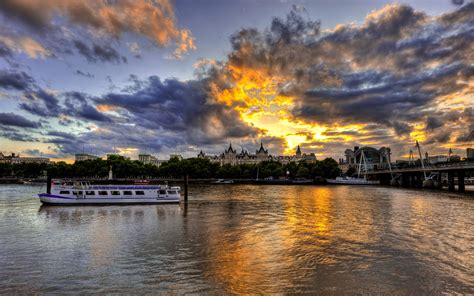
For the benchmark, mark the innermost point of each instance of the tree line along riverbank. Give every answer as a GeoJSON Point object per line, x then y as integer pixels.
{"type": "Point", "coordinates": [195, 168]}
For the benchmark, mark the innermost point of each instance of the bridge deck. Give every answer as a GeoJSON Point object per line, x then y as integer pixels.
{"type": "Point", "coordinates": [454, 166]}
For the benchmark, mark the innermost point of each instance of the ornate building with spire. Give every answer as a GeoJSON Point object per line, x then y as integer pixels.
{"type": "Point", "coordinates": [230, 156]}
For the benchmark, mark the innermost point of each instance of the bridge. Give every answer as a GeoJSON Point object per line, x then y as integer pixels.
{"type": "Point", "coordinates": [415, 175]}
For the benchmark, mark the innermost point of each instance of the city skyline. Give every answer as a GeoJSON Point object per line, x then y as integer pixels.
{"type": "Point", "coordinates": [133, 76]}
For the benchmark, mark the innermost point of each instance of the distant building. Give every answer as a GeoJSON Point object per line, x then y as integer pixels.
{"type": "Point", "coordinates": [34, 160]}
{"type": "Point", "coordinates": [84, 156]}
{"type": "Point", "coordinates": [374, 158]}
{"type": "Point", "coordinates": [13, 158]}
{"type": "Point", "coordinates": [442, 158]}
{"type": "Point", "coordinates": [470, 153]}
{"type": "Point", "coordinates": [149, 159]}
{"type": "Point", "coordinates": [230, 156]}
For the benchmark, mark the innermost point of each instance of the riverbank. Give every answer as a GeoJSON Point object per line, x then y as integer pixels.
{"type": "Point", "coordinates": [299, 181]}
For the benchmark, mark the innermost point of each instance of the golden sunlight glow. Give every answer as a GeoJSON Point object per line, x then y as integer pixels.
{"type": "Point", "coordinates": [257, 97]}
{"type": "Point", "coordinates": [418, 133]}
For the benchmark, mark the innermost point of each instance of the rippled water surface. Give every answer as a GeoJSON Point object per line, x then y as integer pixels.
{"type": "Point", "coordinates": [243, 239]}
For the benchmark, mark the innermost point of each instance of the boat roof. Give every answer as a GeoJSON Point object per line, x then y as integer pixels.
{"type": "Point", "coordinates": [125, 187]}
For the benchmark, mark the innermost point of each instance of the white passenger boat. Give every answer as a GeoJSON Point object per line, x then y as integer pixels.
{"type": "Point", "coordinates": [83, 193]}
{"type": "Point", "coordinates": [352, 181]}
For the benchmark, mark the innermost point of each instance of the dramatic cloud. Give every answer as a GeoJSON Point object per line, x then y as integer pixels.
{"type": "Point", "coordinates": [397, 77]}
{"type": "Point", "coordinates": [24, 45]}
{"type": "Point", "coordinates": [97, 53]}
{"type": "Point", "coordinates": [19, 81]}
{"type": "Point", "coordinates": [41, 103]}
{"type": "Point", "coordinates": [12, 119]}
{"type": "Point", "coordinates": [74, 104]}
{"type": "Point", "coordinates": [396, 70]}
{"type": "Point", "coordinates": [77, 105]}
{"type": "Point", "coordinates": [178, 106]}
{"type": "Point", "coordinates": [155, 20]}
{"type": "Point", "coordinates": [18, 136]}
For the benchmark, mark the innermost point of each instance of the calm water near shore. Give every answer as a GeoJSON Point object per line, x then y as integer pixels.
{"type": "Point", "coordinates": [243, 239]}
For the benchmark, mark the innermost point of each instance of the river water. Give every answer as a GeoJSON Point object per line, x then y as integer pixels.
{"type": "Point", "coordinates": [243, 239]}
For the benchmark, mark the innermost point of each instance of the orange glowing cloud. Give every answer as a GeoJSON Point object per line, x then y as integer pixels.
{"type": "Point", "coordinates": [153, 19]}
{"type": "Point", "coordinates": [106, 108]}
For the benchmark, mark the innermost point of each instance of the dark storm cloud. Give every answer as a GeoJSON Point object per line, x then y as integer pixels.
{"type": "Point", "coordinates": [116, 136]}
{"type": "Point", "coordinates": [152, 115]}
{"type": "Point", "coordinates": [73, 104]}
{"type": "Point", "coordinates": [35, 17]}
{"type": "Point", "coordinates": [433, 122]}
{"type": "Point", "coordinates": [179, 106]}
{"type": "Point", "coordinates": [77, 104]}
{"type": "Point", "coordinates": [12, 119]}
{"type": "Point", "coordinates": [439, 137]}
{"type": "Point", "coordinates": [99, 53]}
{"type": "Point", "coordinates": [11, 80]}
{"type": "Point", "coordinates": [17, 136]}
{"type": "Point", "coordinates": [61, 135]}
{"type": "Point", "coordinates": [41, 103]}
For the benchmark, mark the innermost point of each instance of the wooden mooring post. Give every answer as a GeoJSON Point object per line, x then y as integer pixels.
{"type": "Point", "coordinates": [186, 177]}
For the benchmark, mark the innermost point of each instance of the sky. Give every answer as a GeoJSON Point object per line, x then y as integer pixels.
{"type": "Point", "coordinates": [165, 77]}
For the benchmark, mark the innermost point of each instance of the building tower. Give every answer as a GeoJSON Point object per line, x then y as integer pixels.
{"type": "Point", "coordinates": [262, 154]}
{"type": "Point", "coordinates": [298, 152]}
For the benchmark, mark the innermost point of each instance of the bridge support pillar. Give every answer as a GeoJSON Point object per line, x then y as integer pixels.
{"type": "Point", "coordinates": [419, 180]}
{"type": "Point", "coordinates": [439, 181]}
{"type": "Point", "coordinates": [451, 181]}
{"type": "Point", "coordinates": [405, 180]}
{"type": "Point", "coordinates": [384, 179]}
{"type": "Point", "coordinates": [461, 185]}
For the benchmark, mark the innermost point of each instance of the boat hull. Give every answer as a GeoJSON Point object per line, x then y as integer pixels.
{"type": "Point", "coordinates": [52, 199]}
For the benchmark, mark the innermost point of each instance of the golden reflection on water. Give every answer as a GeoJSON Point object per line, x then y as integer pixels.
{"type": "Point", "coordinates": [280, 240]}
{"type": "Point", "coordinates": [252, 253]}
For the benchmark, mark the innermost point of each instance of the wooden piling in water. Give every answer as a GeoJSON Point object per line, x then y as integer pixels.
{"type": "Point", "coordinates": [186, 177]}
{"type": "Point", "coordinates": [48, 184]}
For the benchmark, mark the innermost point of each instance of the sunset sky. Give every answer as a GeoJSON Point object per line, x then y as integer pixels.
{"type": "Point", "coordinates": [182, 76]}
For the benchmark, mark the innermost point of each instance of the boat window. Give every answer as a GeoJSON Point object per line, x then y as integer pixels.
{"type": "Point", "coordinates": [102, 192]}
{"type": "Point", "coordinates": [171, 192]}
{"type": "Point", "coordinates": [90, 193]}
{"type": "Point", "coordinates": [80, 193]}
{"type": "Point", "coordinates": [139, 192]}
{"type": "Point", "coordinates": [115, 192]}
{"type": "Point", "coordinates": [127, 193]}
{"type": "Point", "coordinates": [162, 191]}
{"type": "Point", "coordinates": [74, 192]}
{"type": "Point", "coordinates": [63, 192]}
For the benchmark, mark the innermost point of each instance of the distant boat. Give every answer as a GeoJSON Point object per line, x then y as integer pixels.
{"type": "Point", "coordinates": [356, 181]}
{"type": "Point", "coordinates": [302, 181]}
{"type": "Point", "coordinates": [83, 193]}
{"type": "Point", "coordinates": [352, 181]}
{"type": "Point", "coordinates": [142, 182]}
{"type": "Point", "coordinates": [223, 181]}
